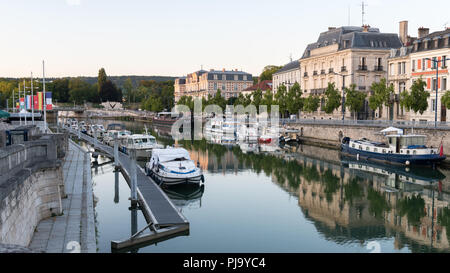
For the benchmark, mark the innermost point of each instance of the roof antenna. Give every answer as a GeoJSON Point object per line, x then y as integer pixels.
{"type": "Point", "coordinates": [290, 57]}
{"type": "Point", "coordinates": [363, 13]}
{"type": "Point", "coordinates": [348, 15]}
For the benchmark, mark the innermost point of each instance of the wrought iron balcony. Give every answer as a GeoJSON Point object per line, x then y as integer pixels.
{"type": "Point", "coordinates": [361, 88]}
{"type": "Point", "coordinates": [343, 68]}
{"type": "Point", "coordinates": [331, 71]}
{"type": "Point", "coordinates": [322, 72]}
{"type": "Point", "coordinates": [362, 67]}
{"type": "Point", "coordinates": [305, 74]}
{"type": "Point", "coordinates": [378, 68]}
{"type": "Point", "coordinates": [316, 92]}
{"type": "Point", "coordinates": [315, 73]}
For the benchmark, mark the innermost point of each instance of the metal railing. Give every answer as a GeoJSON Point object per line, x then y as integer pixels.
{"type": "Point", "coordinates": [371, 123]}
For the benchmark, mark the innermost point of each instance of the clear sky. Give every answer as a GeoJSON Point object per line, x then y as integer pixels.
{"type": "Point", "coordinates": [176, 37]}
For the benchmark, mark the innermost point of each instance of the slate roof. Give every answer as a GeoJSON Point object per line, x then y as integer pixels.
{"type": "Point", "coordinates": [441, 36]}
{"type": "Point", "coordinates": [289, 66]}
{"type": "Point", "coordinates": [356, 38]}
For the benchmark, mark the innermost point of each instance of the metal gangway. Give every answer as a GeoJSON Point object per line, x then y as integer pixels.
{"type": "Point", "coordinates": [163, 218]}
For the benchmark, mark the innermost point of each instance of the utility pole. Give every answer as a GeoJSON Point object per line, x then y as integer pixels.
{"type": "Point", "coordinates": [24, 94]}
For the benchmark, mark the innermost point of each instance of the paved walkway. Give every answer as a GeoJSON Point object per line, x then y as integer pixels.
{"type": "Point", "coordinates": [74, 231]}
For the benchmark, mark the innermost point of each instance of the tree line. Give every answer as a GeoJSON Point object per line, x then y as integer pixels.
{"type": "Point", "coordinates": [292, 101]}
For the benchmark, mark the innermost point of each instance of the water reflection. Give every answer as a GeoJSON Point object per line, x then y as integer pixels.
{"type": "Point", "coordinates": [348, 203]}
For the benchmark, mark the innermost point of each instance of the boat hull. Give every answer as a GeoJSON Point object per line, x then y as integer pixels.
{"type": "Point", "coordinates": [170, 181]}
{"type": "Point", "coordinates": [399, 159]}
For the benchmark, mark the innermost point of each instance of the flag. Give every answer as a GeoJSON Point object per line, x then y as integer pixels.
{"type": "Point", "coordinates": [28, 102]}
{"type": "Point", "coordinates": [48, 98]}
{"type": "Point", "coordinates": [22, 103]}
{"type": "Point", "coordinates": [441, 152]}
{"type": "Point", "coordinates": [17, 104]}
{"type": "Point", "coordinates": [40, 101]}
{"type": "Point", "coordinates": [35, 102]}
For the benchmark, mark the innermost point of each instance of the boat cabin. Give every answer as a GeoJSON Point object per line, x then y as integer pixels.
{"type": "Point", "coordinates": [397, 143]}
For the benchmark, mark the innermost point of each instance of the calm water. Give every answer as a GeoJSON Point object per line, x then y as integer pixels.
{"type": "Point", "coordinates": [290, 199]}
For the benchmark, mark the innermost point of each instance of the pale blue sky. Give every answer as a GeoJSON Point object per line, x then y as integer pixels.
{"type": "Point", "coordinates": [176, 37]}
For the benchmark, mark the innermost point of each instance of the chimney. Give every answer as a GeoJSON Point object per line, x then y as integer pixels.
{"type": "Point", "coordinates": [331, 28]}
{"type": "Point", "coordinates": [366, 28]}
{"type": "Point", "coordinates": [403, 32]}
{"type": "Point", "coordinates": [223, 69]}
{"type": "Point", "coordinates": [423, 32]}
{"type": "Point", "coordinates": [211, 70]}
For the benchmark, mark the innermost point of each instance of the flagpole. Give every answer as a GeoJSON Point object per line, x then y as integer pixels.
{"type": "Point", "coordinates": [32, 105]}
{"type": "Point", "coordinates": [24, 93]}
{"type": "Point", "coordinates": [44, 95]}
{"type": "Point", "coordinates": [20, 116]}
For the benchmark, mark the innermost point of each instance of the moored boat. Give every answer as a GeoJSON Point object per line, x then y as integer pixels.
{"type": "Point", "coordinates": [173, 166]}
{"type": "Point", "coordinates": [398, 149]}
{"type": "Point", "coordinates": [141, 144]}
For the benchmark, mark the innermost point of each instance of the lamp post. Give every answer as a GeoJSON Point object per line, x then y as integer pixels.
{"type": "Point", "coordinates": [343, 92]}
{"type": "Point", "coordinates": [436, 63]}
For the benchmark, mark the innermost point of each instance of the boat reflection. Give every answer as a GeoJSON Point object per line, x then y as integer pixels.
{"type": "Point", "coordinates": [186, 195]}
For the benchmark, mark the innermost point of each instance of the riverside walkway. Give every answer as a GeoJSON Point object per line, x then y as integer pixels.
{"type": "Point", "coordinates": [74, 231]}
{"type": "Point", "coordinates": [163, 218]}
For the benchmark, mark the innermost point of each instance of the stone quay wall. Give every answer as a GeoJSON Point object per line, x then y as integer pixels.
{"type": "Point", "coordinates": [333, 134]}
{"type": "Point", "coordinates": [31, 186]}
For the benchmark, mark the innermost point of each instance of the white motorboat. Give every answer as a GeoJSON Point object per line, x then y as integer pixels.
{"type": "Point", "coordinates": [173, 166]}
{"type": "Point", "coordinates": [247, 133]}
{"type": "Point", "coordinates": [112, 134]}
{"type": "Point", "coordinates": [142, 145]}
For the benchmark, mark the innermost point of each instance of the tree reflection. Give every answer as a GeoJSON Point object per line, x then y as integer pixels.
{"type": "Point", "coordinates": [413, 207]}
{"type": "Point", "coordinates": [378, 204]}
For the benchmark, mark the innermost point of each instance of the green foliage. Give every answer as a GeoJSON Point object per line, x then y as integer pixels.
{"type": "Point", "coordinates": [417, 99]}
{"type": "Point", "coordinates": [154, 103]}
{"type": "Point", "coordinates": [444, 219]}
{"type": "Point", "coordinates": [354, 100]}
{"type": "Point", "coordinates": [311, 104]}
{"type": "Point", "coordinates": [294, 101]}
{"type": "Point", "coordinates": [268, 72]}
{"type": "Point", "coordinates": [446, 99]}
{"type": "Point", "coordinates": [268, 100]}
{"type": "Point", "coordinates": [60, 90]}
{"type": "Point", "coordinates": [107, 90]}
{"type": "Point", "coordinates": [333, 99]}
{"type": "Point", "coordinates": [281, 99]}
{"type": "Point", "coordinates": [188, 101]}
{"type": "Point", "coordinates": [257, 97]}
{"type": "Point", "coordinates": [382, 95]}
{"type": "Point", "coordinates": [413, 207]}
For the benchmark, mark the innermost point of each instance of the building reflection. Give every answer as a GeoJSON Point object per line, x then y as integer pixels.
{"type": "Point", "coordinates": [348, 202]}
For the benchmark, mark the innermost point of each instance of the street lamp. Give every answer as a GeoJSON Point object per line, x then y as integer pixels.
{"type": "Point", "coordinates": [436, 63]}
{"type": "Point", "coordinates": [343, 92]}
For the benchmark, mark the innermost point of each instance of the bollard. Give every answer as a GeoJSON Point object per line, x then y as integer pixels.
{"type": "Point", "coordinates": [116, 187]}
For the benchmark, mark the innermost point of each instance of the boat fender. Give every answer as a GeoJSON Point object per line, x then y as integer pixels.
{"type": "Point", "coordinates": [407, 163]}
{"type": "Point", "coordinates": [357, 157]}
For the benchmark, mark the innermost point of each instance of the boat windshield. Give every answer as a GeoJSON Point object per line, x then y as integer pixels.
{"type": "Point", "coordinates": [144, 141]}
{"type": "Point", "coordinates": [412, 141]}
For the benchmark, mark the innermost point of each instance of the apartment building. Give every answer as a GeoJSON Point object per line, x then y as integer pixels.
{"type": "Point", "coordinates": [288, 75]}
{"type": "Point", "coordinates": [346, 56]}
{"type": "Point", "coordinates": [203, 83]}
{"type": "Point", "coordinates": [420, 58]}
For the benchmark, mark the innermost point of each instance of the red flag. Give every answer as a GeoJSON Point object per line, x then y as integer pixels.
{"type": "Point", "coordinates": [35, 102]}
{"type": "Point", "coordinates": [441, 153]}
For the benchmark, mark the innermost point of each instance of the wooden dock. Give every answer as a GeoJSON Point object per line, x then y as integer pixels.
{"type": "Point", "coordinates": [163, 218]}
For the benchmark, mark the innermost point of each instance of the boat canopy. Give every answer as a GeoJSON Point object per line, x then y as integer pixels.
{"type": "Point", "coordinates": [166, 155]}
{"type": "Point", "coordinates": [392, 130]}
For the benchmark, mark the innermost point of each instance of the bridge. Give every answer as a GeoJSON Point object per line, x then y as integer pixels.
{"type": "Point", "coordinates": [163, 218]}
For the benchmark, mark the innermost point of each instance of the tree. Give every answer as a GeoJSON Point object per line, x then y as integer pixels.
{"type": "Point", "coordinates": [128, 89]}
{"type": "Point", "coordinates": [281, 99]}
{"type": "Point", "coordinates": [268, 71]}
{"type": "Point", "coordinates": [219, 100]}
{"type": "Point", "coordinates": [311, 104]}
{"type": "Point", "coordinates": [257, 98]}
{"type": "Point", "coordinates": [446, 99]}
{"type": "Point", "coordinates": [268, 100]}
{"type": "Point", "coordinates": [417, 100]}
{"type": "Point", "coordinates": [333, 99]}
{"type": "Point", "coordinates": [381, 96]}
{"type": "Point", "coordinates": [101, 79]}
{"type": "Point", "coordinates": [60, 90]}
{"type": "Point", "coordinates": [354, 99]}
{"type": "Point", "coordinates": [110, 92]}
{"type": "Point", "coordinates": [294, 101]}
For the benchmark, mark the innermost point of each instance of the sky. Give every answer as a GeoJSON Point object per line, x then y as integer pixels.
{"type": "Point", "coordinates": [176, 37]}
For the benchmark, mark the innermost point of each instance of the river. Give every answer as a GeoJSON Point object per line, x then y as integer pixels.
{"type": "Point", "coordinates": [297, 199]}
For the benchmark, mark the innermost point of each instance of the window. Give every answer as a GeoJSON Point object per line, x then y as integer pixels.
{"type": "Point", "coordinates": [376, 150]}
{"type": "Point", "coordinates": [353, 146]}
{"type": "Point", "coordinates": [444, 61]}
{"type": "Point", "coordinates": [215, 85]}
{"type": "Point", "coordinates": [236, 77]}
{"type": "Point", "coordinates": [245, 77]}
{"type": "Point", "coordinates": [224, 87]}
{"type": "Point", "coordinates": [360, 147]}
{"type": "Point", "coordinates": [433, 105]}
{"type": "Point", "coordinates": [215, 77]}
{"type": "Point", "coordinates": [444, 83]}
{"type": "Point", "coordinates": [391, 69]}
{"type": "Point", "coordinates": [413, 65]}
{"type": "Point", "coordinates": [423, 64]}
{"type": "Point", "coordinates": [367, 149]}
{"type": "Point", "coordinates": [224, 77]}
{"type": "Point", "coordinates": [404, 68]}
{"type": "Point", "coordinates": [384, 151]}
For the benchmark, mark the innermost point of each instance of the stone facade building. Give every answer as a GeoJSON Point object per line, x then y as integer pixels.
{"type": "Point", "coordinates": [413, 62]}
{"type": "Point", "coordinates": [202, 83]}
{"type": "Point", "coordinates": [356, 55]}
{"type": "Point", "coordinates": [288, 75]}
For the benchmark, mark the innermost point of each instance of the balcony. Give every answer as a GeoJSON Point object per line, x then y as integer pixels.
{"type": "Point", "coordinates": [315, 73]}
{"type": "Point", "coordinates": [322, 72]}
{"type": "Point", "coordinates": [331, 71]}
{"type": "Point", "coordinates": [317, 92]}
{"type": "Point", "coordinates": [343, 68]}
{"type": "Point", "coordinates": [305, 74]}
{"type": "Point", "coordinates": [362, 67]}
{"type": "Point", "coordinates": [378, 68]}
